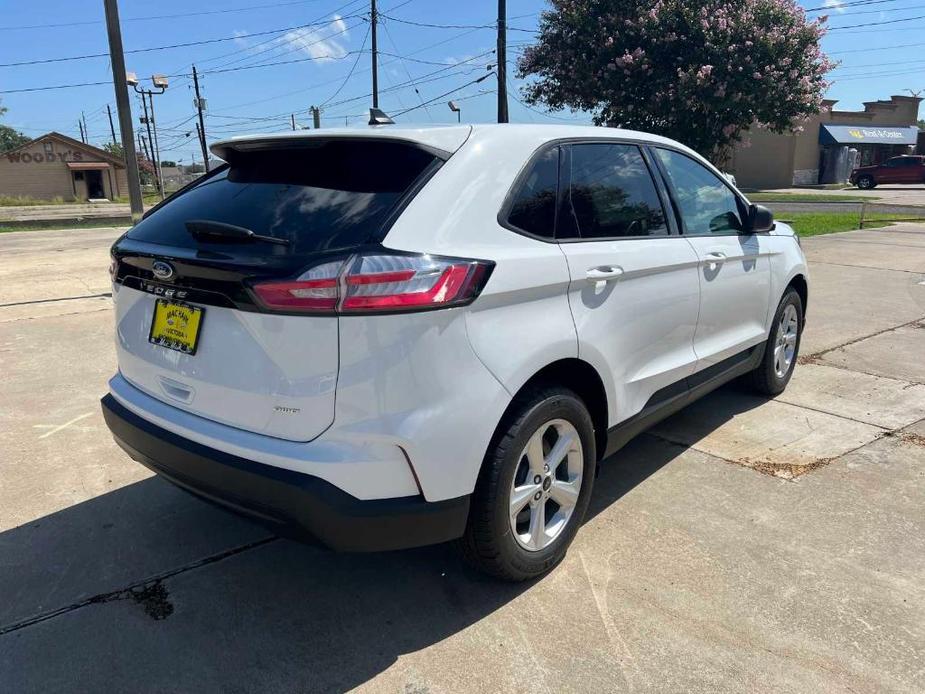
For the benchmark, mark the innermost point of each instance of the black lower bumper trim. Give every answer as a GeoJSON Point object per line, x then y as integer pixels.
{"type": "Point", "coordinates": [292, 503]}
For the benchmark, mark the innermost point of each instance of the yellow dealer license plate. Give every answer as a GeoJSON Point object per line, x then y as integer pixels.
{"type": "Point", "coordinates": [176, 326]}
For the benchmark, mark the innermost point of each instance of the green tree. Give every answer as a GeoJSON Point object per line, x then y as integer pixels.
{"type": "Point", "coordinates": [10, 138]}
{"type": "Point", "coordinates": [115, 149]}
{"type": "Point", "coordinates": [699, 71]}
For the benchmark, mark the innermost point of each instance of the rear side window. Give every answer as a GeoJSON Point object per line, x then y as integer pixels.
{"type": "Point", "coordinates": [533, 208]}
{"type": "Point", "coordinates": [330, 195]}
{"type": "Point", "coordinates": [612, 194]}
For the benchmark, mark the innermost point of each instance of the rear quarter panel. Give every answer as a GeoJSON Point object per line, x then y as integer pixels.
{"type": "Point", "coordinates": [521, 322]}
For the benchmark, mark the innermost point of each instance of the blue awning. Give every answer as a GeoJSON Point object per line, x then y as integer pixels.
{"type": "Point", "coordinates": [867, 135]}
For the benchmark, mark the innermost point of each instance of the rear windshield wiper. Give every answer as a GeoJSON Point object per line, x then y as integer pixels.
{"type": "Point", "coordinates": [207, 230]}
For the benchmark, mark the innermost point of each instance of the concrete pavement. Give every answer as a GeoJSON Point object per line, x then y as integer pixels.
{"type": "Point", "coordinates": [893, 194]}
{"type": "Point", "coordinates": [744, 545]}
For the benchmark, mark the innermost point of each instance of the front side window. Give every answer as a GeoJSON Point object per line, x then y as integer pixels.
{"type": "Point", "coordinates": [707, 205]}
{"type": "Point", "coordinates": [534, 203]}
{"type": "Point", "coordinates": [611, 193]}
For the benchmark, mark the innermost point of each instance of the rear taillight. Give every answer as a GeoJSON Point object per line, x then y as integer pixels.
{"type": "Point", "coordinates": [378, 283]}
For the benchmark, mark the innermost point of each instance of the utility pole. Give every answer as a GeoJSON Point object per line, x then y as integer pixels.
{"type": "Point", "coordinates": [502, 61]}
{"type": "Point", "coordinates": [86, 132]}
{"type": "Point", "coordinates": [292, 118]}
{"type": "Point", "coordinates": [157, 147]}
{"type": "Point", "coordinates": [316, 117]}
{"type": "Point", "coordinates": [375, 52]}
{"type": "Point", "coordinates": [149, 150]}
{"type": "Point", "coordinates": [80, 124]}
{"type": "Point", "coordinates": [201, 138]}
{"type": "Point", "coordinates": [117, 60]}
{"type": "Point", "coordinates": [202, 124]}
{"type": "Point", "coordinates": [112, 128]}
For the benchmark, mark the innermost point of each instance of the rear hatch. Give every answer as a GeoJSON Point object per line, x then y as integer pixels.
{"type": "Point", "coordinates": [212, 349]}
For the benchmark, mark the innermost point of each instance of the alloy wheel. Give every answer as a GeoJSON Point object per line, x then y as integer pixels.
{"type": "Point", "coordinates": [546, 485]}
{"type": "Point", "coordinates": [785, 345]}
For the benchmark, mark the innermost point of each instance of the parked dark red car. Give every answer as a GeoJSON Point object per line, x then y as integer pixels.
{"type": "Point", "coordinates": [904, 169]}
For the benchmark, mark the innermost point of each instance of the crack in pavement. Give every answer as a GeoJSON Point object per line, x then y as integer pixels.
{"type": "Point", "coordinates": [148, 592]}
{"type": "Point", "coordinates": [63, 298]}
{"type": "Point", "coordinates": [869, 267]}
{"type": "Point", "coordinates": [815, 356]}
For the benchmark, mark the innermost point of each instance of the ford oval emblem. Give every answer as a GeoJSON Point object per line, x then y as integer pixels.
{"type": "Point", "coordinates": [162, 270]}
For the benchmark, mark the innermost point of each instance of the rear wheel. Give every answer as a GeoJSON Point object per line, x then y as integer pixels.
{"type": "Point", "coordinates": [783, 346]}
{"type": "Point", "coordinates": [534, 487]}
{"type": "Point", "coordinates": [866, 182]}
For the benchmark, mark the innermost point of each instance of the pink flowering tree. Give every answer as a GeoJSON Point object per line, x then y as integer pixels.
{"type": "Point", "coordinates": [698, 71]}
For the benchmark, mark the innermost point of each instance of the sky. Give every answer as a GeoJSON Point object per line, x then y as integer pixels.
{"type": "Point", "coordinates": [263, 61]}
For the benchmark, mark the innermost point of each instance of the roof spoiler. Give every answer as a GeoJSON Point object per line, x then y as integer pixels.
{"type": "Point", "coordinates": [379, 117]}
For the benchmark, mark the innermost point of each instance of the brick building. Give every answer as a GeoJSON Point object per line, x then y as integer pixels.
{"type": "Point", "coordinates": [829, 144]}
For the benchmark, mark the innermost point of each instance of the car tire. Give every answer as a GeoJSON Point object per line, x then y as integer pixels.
{"type": "Point", "coordinates": [511, 544]}
{"type": "Point", "coordinates": [782, 348]}
{"type": "Point", "coordinates": [866, 183]}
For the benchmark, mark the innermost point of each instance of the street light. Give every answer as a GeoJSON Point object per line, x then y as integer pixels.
{"type": "Point", "coordinates": [160, 86]}
{"type": "Point", "coordinates": [454, 107]}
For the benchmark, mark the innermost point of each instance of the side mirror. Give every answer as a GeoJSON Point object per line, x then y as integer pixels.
{"type": "Point", "coordinates": [760, 220]}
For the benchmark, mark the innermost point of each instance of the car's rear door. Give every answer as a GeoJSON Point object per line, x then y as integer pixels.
{"type": "Point", "coordinates": [735, 270]}
{"type": "Point", "coordinates": [634, 290]}
{"type": "Point", "coordinates": [191, 331]}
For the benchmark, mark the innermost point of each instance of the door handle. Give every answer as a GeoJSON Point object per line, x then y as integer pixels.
{"type": "Point", "coordinates": [714, 259]}
{"type": "Point", "coordinates": [604, 273]}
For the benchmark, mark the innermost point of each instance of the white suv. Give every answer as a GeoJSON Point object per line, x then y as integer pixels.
{"type": "Point", "coordinates": [398, 336]}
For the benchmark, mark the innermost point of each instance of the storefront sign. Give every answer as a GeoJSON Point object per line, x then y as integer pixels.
{"type": "Point", "coordinates": [44, 157]}
{"type": "Point", "coordinates": [865, 134]}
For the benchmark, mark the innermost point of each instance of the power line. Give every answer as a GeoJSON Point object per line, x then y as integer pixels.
{"type": "Point", "coordinates": [168, 47]}
{"type": "Point", "coordinates": [436, 26]}
{"type": "Point", "coordinates": [871, 24]}
{"type": "Point", "coordinates": [444, 95]}
{"type": "Point", "coordinates": [265, 52]}
{"type": "Point", "coordinates": [290, 92]}
{"type": "Point", "coordinates": [352, 68]}
{"type": "Point", "coordinates": [162, 16]}
{"type": "Point", "coordinates": [894, 9]}
{"type": "Point", "coordinates": [881, 48]}
{"type": "Point", "coordinates": [866, 65]}
{"type": "Point", "coordinates": [388, 34]}
{"type": "Point", "coordinates": [858, 3]}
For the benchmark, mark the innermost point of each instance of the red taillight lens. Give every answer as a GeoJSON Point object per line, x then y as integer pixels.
{"type": "Point", "coordinates": [314, 290]}
{"type": "Point", "coordinates": [371, 283]}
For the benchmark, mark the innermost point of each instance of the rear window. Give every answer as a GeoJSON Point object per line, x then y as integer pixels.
{"type": "Point", "coordinates": [332, 195]}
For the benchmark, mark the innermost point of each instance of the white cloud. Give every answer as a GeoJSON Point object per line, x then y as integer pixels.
{"type": "Point", "coordinates": [323, 43]}
{"type": "Point", "coordinates": [837, 5]}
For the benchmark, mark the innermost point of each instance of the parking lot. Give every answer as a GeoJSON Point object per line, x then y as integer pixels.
{"type": "Point", "coordinates": [743, 545]}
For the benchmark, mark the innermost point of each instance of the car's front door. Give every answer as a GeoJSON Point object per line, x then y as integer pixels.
{"type": "Point", "coordinates": [891, 171]}
{"type": "Point", "coordinates": [909, 170]}
{"type": "Point", "coordinates": [634, 291]}
{"type": "Point", "coordinates": [735, 272]}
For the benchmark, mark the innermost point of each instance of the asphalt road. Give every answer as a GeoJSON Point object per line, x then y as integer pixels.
{"type": "Point", "coordinates": [743, 546]}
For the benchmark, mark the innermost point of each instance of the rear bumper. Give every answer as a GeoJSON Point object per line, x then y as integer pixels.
{"type": "Point", "coordinates": [291, 503]}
